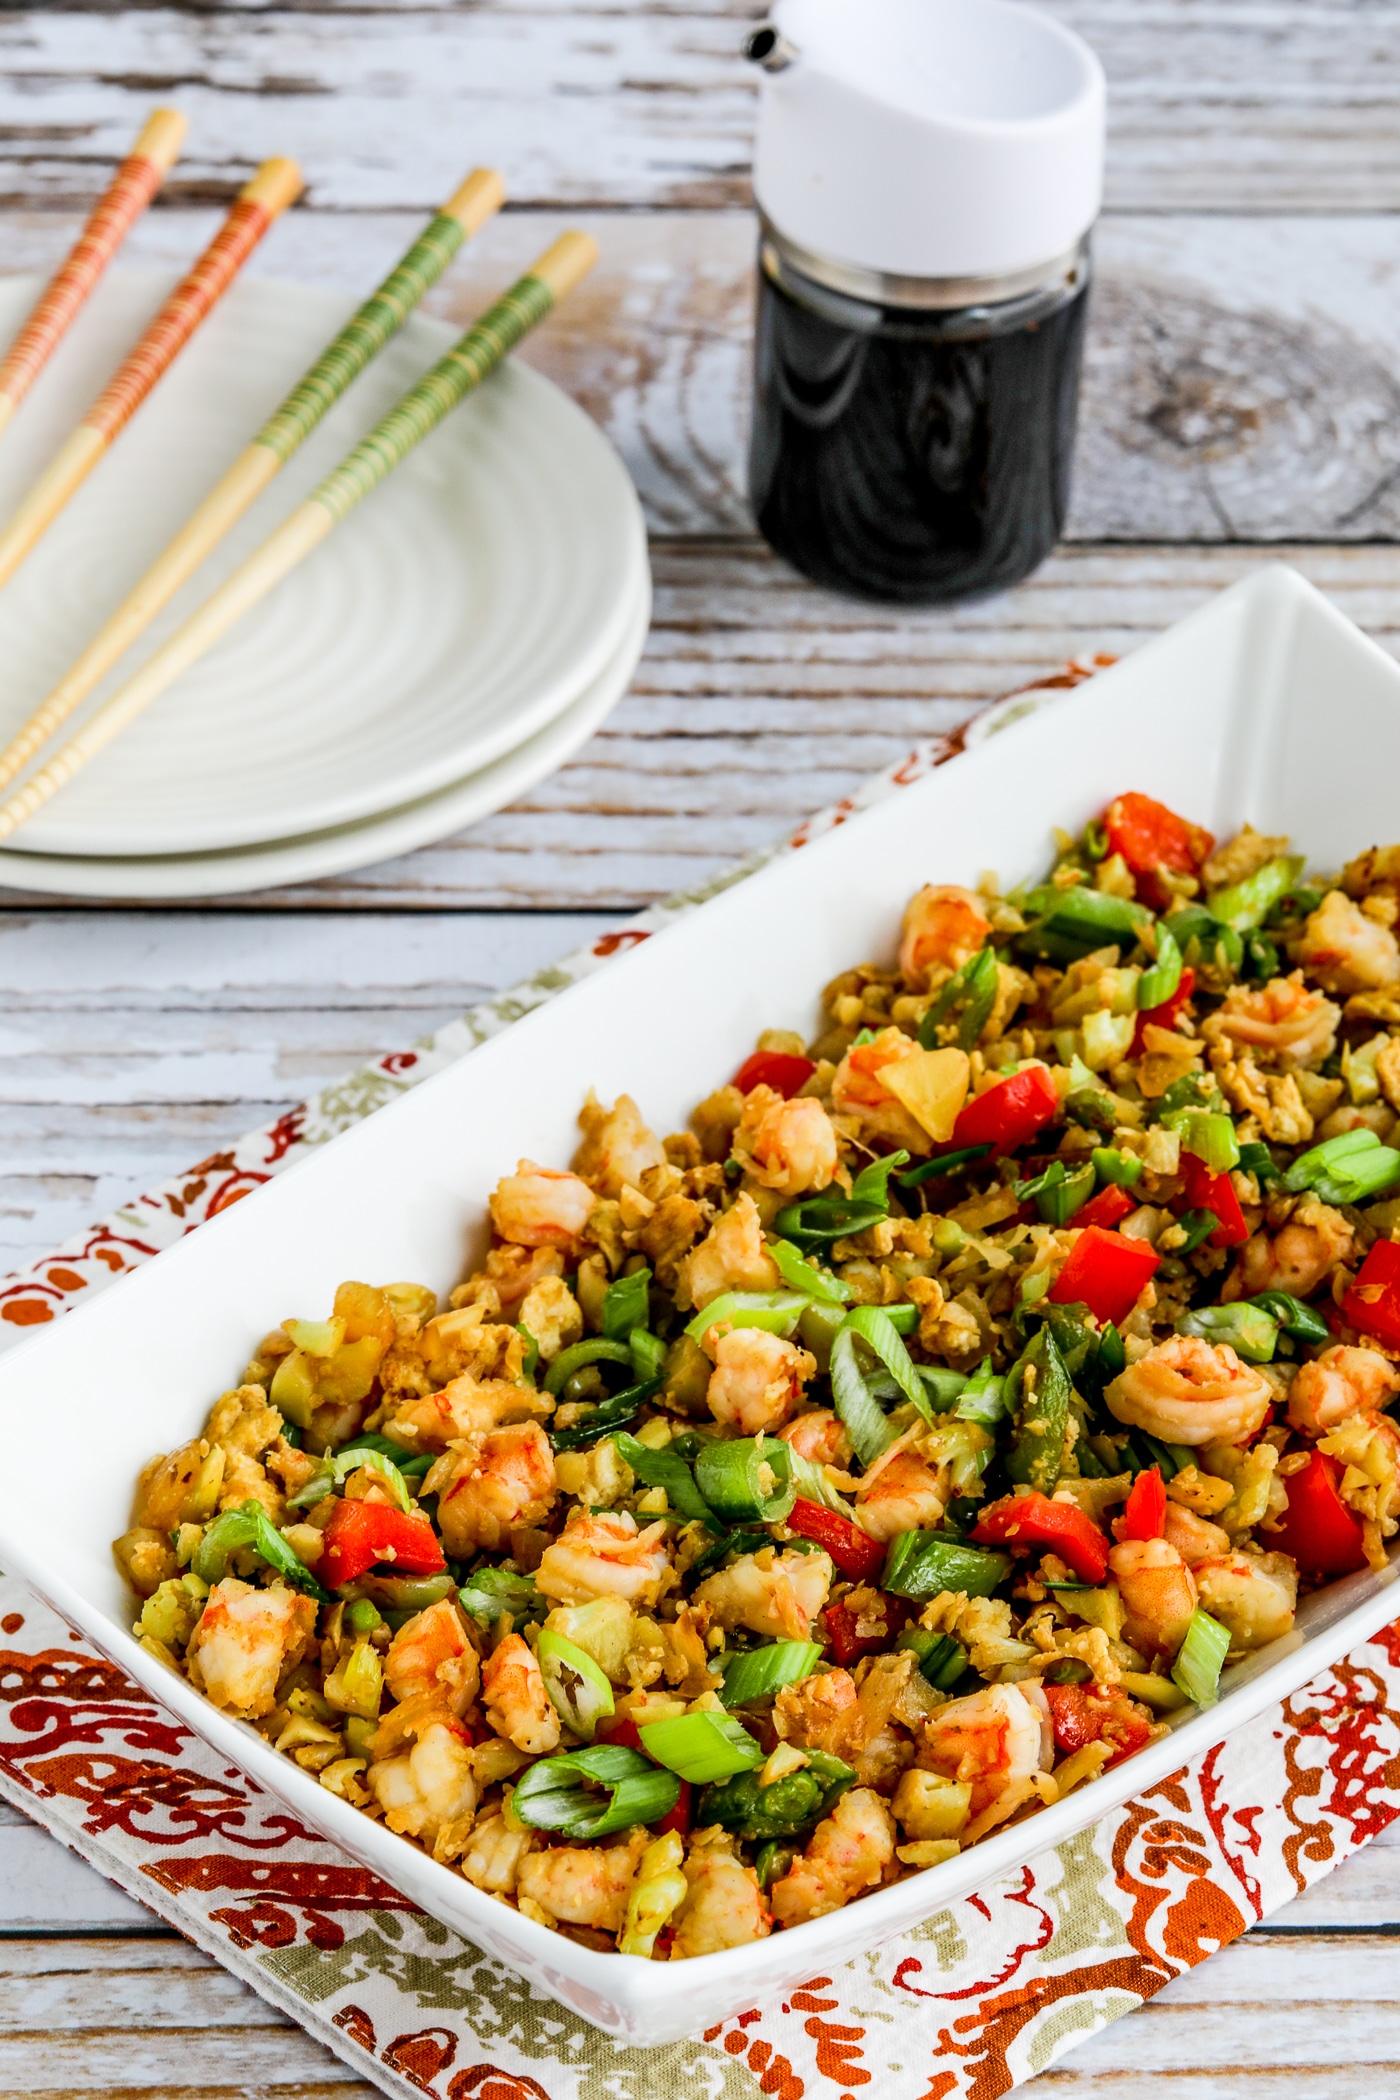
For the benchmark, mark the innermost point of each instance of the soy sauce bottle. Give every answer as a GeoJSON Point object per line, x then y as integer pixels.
{"type": "Point", "coordinates": [927, 174]}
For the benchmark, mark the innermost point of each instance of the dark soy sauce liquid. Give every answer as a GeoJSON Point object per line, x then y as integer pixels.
{"type": "Point", "coordinates": [911, 455]}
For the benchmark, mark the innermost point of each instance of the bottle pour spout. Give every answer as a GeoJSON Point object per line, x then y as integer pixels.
{"type": "Point", "coordinates": [766, 46]}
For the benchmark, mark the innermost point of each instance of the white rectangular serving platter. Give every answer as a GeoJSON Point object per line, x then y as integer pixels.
{"type": "Point", "coordinates": [1266, 705]}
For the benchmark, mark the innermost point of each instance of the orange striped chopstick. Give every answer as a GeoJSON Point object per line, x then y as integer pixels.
{"type": "Point", "coordinates": [275, 186]}
{"type": "Point", "coordinates": [131, 189]}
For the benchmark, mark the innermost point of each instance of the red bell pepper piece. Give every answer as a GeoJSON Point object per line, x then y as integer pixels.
{"type": "Point", "coordinates": [361, 1534]}
{"type": "Point", "coordinates": [619, 1728]}
{"type": "Point", "coordinates": [1011, 1112]}
{"type": "Point", "coordinates": [1207, 1191]}
{"type": "Point", "coordinates": [679, 1817]}
{"type": "Point", "coordinates": [1032, 1519]}
{"type": "Point", "coordinates": [1317, 1528]}
{"type": "Point", "coordinates": [1084, 1713]}
{"type": "Point", "coordinates": [1145, 1511]}
{"type": "Point", "coordinates": [786, 1074]}
{"type": "Point", "coordinates": [1165, 1015]}
{"type": "Point", "coordinates": [847, 1644]}
{"type": "Point", "coordinates": [1151, 837]}
{"type": "Point", "coordinates": [1373, 1301]}
{"type": "Point", "coordinates": [1106, 1271]}
{"type": "Point", "coordinates": [1107, 1209]}
{"type": "Point", "coordinates": [858, 1556]}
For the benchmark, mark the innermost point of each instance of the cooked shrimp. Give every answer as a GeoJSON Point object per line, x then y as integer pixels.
{"type": "Point", "coordinates": [849, 1852]}
{"type": "Point", "coordinates": [517, 1704]}
{"type": "Point", "coordinates": [1195, 1538]}
{"type": "Point", "coordinates": [903, 1496]}
{"type": "Point", "coordinates": [1282, 1018]}
{"type": "Point", "coordinates": [510, 1274]}
{"type": "Point", "coordinates": [617, 1146]}
{"type": "Point", "coordinates": [1346, 950]}
{"type": "Point", "coordinates": [820, 1436]}
{"type": "Point", "coordinates": [1188, 1391]}
{"type": "Point", "coordinates": [943, 927]}
{"type": "Point", "coordinates": [601, 1553]}
{"type": "Point", "coordinates": [758, 1377]}
{"type": "Point", "coordinates": [427, 1789]}
{"type": "Point", "coordinates": [724, 1906]}
{"type": "Point", "coordinates": [584, 1884]}
{"type": "Point", "coordinates": [1159, 1593]}
{"type": "Point", "coordinates": [462, 1409]}
{"type": "Point", "coordinates": [793, 1142]}
{"type": "Point", "coordinates": [1295, 1259]}
{"type": "Point", "coordinates": [431, 1652]}
{"type": "Point", "coordinates": [245, 1641]}
{"type": "Point", "coordinates": [988, 1740]}
{"type": "Point", "coordinates": [731, 1257]}
{"type": "Point", "coordinates": [1339, 1383]}
{"type": "Point", "coordinates": [770, 1592]}
{"type": "Point", "coordinates": [540, 1207]}
{"type": "Point", "coordinates": [488, 1486]}
{"type": "Point", "coordinates": [553, 1316]}
{"type": "Point", "coordinates": [493, 1855]}
{"type": "Point", "coordinates": [858, 1090]}
{"type": "Point", "coordinates": [1254, 1596]}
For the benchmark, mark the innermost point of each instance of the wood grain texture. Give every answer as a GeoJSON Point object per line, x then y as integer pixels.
{"type": "Point", "coordinates": [1215, 104]}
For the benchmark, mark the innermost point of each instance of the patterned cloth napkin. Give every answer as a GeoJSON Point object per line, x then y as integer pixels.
{"type": "Point", "coordinates": [989, 1992]}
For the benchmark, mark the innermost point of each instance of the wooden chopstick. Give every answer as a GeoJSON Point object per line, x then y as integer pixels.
{"type": "Point", "coordinates": [340, 363]}
{"type": "Point", "coordinates": [131, 189]}
{"type": "Point", "coordinates": [420, 410]}
{"type": "Point", "coordinates": [276, 184]}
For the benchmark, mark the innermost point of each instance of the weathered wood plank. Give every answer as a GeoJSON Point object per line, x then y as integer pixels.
{"type": "Point", "coordinates": [1242, 378]}
{"type": "Point", "coordinates": [1214, 105]}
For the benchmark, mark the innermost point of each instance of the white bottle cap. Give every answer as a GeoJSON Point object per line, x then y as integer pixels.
{"type": "Point", "coordinates": [927, 139]}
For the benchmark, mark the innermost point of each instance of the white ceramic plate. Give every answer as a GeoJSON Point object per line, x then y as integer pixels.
{"type": "Point", "coordinates": [1256, 707]}
{"type": "Point", "coordinates": [358, 845]}
{"type": "Point", "coordinates": [456, 613]}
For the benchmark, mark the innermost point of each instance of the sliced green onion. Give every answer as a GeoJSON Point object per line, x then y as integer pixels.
{"type": "Point", "coordinates": [1057, 1193]}
{"type": "Point", "coordinates": [1121, 1170]}
{"type": "Point", "coordinates": [805, 1276]}
{"type": "Point", "coordinates": [1112, 1352]}
{"type": "Point", "coordinates": [942, 1660]}
{"type": "Point", "coordinates": [1346, 1169]}
{"type": "Point", "coordinates": [945, 1163]}
{"type": "Point", "coordinates": [775, 1311]}
{"type": "Point", "coordinates": [1200, 1660]}
{"type": "Point", "coordinates": [591, 1793]}
{"type": "Point", "coordinates": [648, 1353]}
{"type": "Point", "coordinates": [529, 1363]}
{"type": "Point", "coordinates": [943, 1387]}
{"type": "Point", "coordinates": [490, 1591]}
{"type": "Point", "coordinates": [812, 1485]}
{"type": "Point", "coordinates": [1155, 986]}
{"type": "Point", "coordinates": [746, 1479]}
{"type": "Point", "coordinates": [1095, 840]}
{"type": "Point", "coordinates": [1293, 1316]}
{"type": "Point", "coordinates": [756, 1672]}
{"type": "Point", "coordinates": [1245, 905]}
{"type": "Point", "coordinates": [1259, 1161]}
{"type": "Point", "coordinates": [1204, 941]}
{"type": "Point", "coordinates": [818, 1219]}
{"type": "Point", "coordinates": [595, 1351]}
{"type": "Point", "coordinates": [613, 1413]}
{"type": "Point", "coordinates": [578, 1691]}
{"type": "Point", "coordinates": [903, 1318]}
{"type": "Point", "coordinates": [973, 986]}
{"type": "Point", "coordinates": [1041, 1402]}
{"type": "Point", "coordinates": [701, 1747]}
{"type": "Point", "coordinates": [250, 1525]}
{"type": "Point", "coordinates": [625, 1305]}
{"type": "Point", "coordinates": [1076, 921]}
{"type": "Point", "coordinates": [1250, 1332]}
{"type": "Point", "coordinates": [1211, 1138]}
{"type": "Point", "coordinates": [923, 1564]}
{"type": "Point", "coordinates": [334, 1472]}
{"type": "Point", "coordinates": [782, 1809]}
{"type": "Point", "coordinates": [983, 1398]}
{"type": "Point", "coordinates": [1261, 956]}
{"type": "Point", "coordinates": [1192, 1090]}
{"type": "Point", "coordinates": [403, 1594]}
{"type": "Point", "coordinates": [872, 1184]}
{"type": "Point", "coordinates": [667, 1469]}
{"type": "Point", "coordinates": [361, 1616]}
{"type": "Point", "coordinates": [869, 1432]}
{"type": "Point", "coordinates": [878, 1331]}
{"type": "Point", "coordinates": [1197, 1225]}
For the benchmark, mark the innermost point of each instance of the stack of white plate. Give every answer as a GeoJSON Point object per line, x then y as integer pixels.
{"type": "Point", "coordinates": [455, 640]}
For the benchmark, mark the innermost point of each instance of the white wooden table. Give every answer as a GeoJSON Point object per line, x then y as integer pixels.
{"type": "Point", "coordinates": [1243, 390]}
